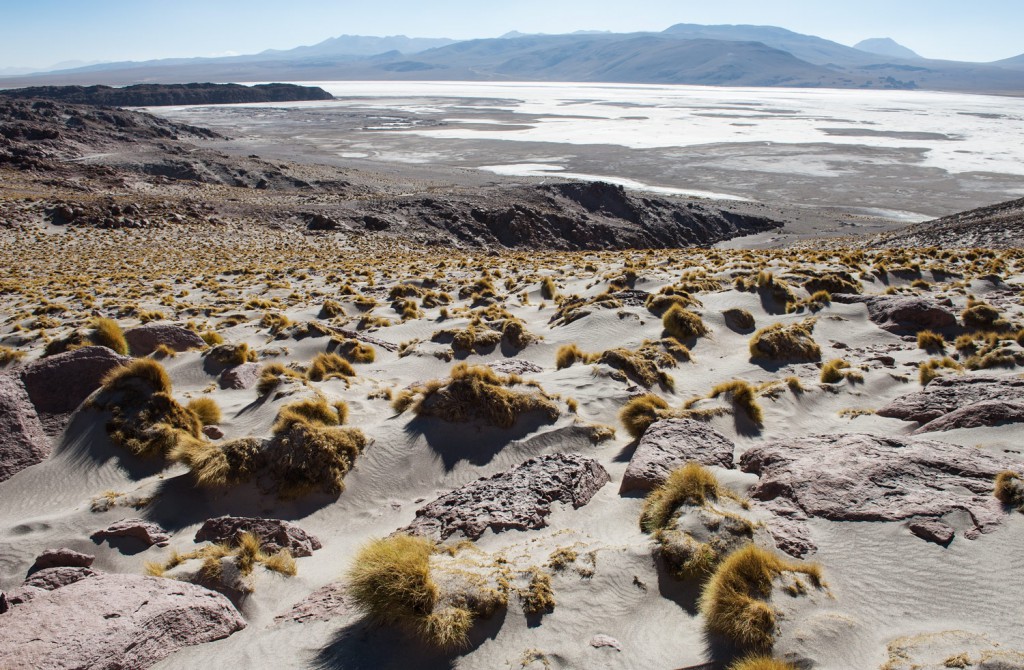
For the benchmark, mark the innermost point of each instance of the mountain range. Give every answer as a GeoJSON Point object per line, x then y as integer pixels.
{"type": "Point", "coordinates": [722, 55]}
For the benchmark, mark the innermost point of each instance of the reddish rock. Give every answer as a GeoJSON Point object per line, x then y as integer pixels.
{"type": "Point", "coordinates": [932, 530]}
{"type": "Point", "coordinates": [980, 414]}
{"type": "Point", "coordinates": [860, 477]}
{"type": "Point", "coordinates": [49, 579]}
{"type": "Point", "coordinates": [144, 531]}
{"type": "Point", "coordinates": [515, 366]}
{"type": "Point", "coordinates": [113, 622]}
{"type": "Point", "coordinates": [58, 384]}
{"type": "Point", "coordinates": [145, 339]}
{"type": "Point", "coordinates": [326, 603]}
{"type": "Point", "coordinates": [63, 557]}
{"type": "Point", "coordinates": [903, 314]}
{"type": "Point", "coordinates": [517, 499]}
{"type": "Point", "coordinates": [670, 444]}
{"type": "Point", "coordinates": [243, 376]}
{"type": "Point", "coordinates": [606, 641]}
{"type": "Point", "coordinates": [274, 534]}
{"type": "Point", "coordinates": [213, 432]}
{"type": "Point", "coordinates": [22, 439]}
{"type": "Point", "coordinates": [949, 393]}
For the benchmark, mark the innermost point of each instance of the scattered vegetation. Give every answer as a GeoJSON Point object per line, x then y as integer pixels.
{"type": "Point", "coordinates": [792, 344]}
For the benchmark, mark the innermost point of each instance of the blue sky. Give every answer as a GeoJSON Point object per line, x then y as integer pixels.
{"type": "Point", "coordinates": [36, 33]}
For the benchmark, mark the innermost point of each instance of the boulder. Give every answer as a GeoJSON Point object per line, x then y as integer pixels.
{"type": "Point", "coordinates": [145, 531]}
{"type": "Point", "coordinates": [739, 320]}
{"type": "Point", "coordinates": [274, 534]}
{"type": "Point", "coordinates": [980, 414]}
{"type": "Point", "coordinates": [903, 314]}
{"type": "Point", "coordinates": [517, 499]}
{"type": "Point", "coordinates": [113, 622]}
{"type": "Point", "coordinates": [49, 579]}
{"type": "Point", "coordinates": [145, 339]}
{"type": "Point", "coordinates": [670, 444]}
{"type": "Point", "coordinates": [932, 530]}
{"type": "Point", "coordinates": [58, 384]}
{"type": "Point", "coordinates": [946, 394]}
{"type": "Point", "coordinates": [22, 439]}
{"type": "Point", "coordinates": [243, 376]}
{"type": "Point", "coordinates": [213, 432]}
{"type": "Point", "coordinates": [326, 603]}
{"type": "Point", "coordinates": [63, 557]}
{"type": "Point", "coordinates": [861, 477]}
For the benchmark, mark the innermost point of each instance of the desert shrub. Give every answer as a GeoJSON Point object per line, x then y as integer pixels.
{"type": "Point", "coordinates": [355, 351]}
{"type": "Point", "coordinates": [275, 322]}
{"type": "Point", "coordinates": [477, 392]}
{"type": "Point", "coordinates": [231, 355]}
{"type": "Point", "coordinates": [106, 333]}
{"type": "Point", "coordinates": [316, 411]}
{"type": "Point", "coordinates": [516, 334]}
{"type": "Point", "coordinates": [548, 290]}
{"type": "Point", "coordinates": [206, 409]}
{"type": "Point", "coordinates": [776, 289]}
{"type": "Point", "coordinates": [641, 365]}
{"type": "Point", "coordinates": [220, 464]}
{"type": "Point", "coordinates": [794, 384]}
{"type": "Point", "coordinates": [660, 303]}
{"type": "Point", "coordinates": [326, 366]}
{"type": "Point", "coordinates": [470, 338]}
{"type": "Point", "coordinates": [779, 342]}
{"type": "Point", "coordinates": [834, 371]}
{"type": "Point", "coordinates": [743, 395]}
{"type": "Point", "coordinates": [683, 324]}
{"type": "Point", "coordinates": [331, 309]}
{"type": "Point", "coordinates": [145, 419]}
{"type": "Point", "coordinates": [1009, 489]}
{"type": "Point", "coordinates": [246, 552]}
{"type": "Point", "coordinates": [271, 376]}
{"type": "Point", "coordinates": [734, 601]}
{"type": "Point", "coordinates": [569, 354]}
{"type": "Point", "coordinates": [538, 598]}
{"type": "Point", "coordinates": [761, 663]}
{"type": "Point", "coordinates": [833, 283]}
{"type": "Point", "coordinates": [692, 484]}
{"type": "Point", "coordinates": [929, 369]}
{"type": "Point", "coordinates": [931, 341]}
{"type": "Point", "coordinates": [983, 317]}
{"type": "Point", "coordinates": [638, 414]}
{"type": "Point", "coordinates": [211, 337]}
{"type": "Point", "coordinates": [390, 581]}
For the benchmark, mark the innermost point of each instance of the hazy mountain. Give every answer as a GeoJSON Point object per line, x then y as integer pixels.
{"type": "Point", "coordinates": [683, 54]}
{"type": "Point", "coordinates": [885, 46]}
{"type": "Point", "coordinates": [1016, 63]}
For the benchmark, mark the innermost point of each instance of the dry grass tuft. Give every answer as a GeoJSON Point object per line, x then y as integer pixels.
{"type": "Point", "coordinates": [692, 484]}
{"type": "Point", "coordinates": [106, 333]}
{"type": "Point", "coordinates": [930, 369]}
{"type": "Point", "coordinates": [538, 598]}
{"type": "Point", "coordinates": [743, 395]}
{"type": "Point", "coordinates": [683, 324]}
{"type": "Point", "coordinates": [931, 341]}
{"type": "Point", "coordinates": [143, 371]}
{"type": "Point", "coordinates": [477, 392]}
{"type": "Point", "coordinates": [793, 343]}
{"type": "Point", "coordinates": [761, 663]}
{"type": "Point", "coordinates": [638, 414]}
{"type": "Point", "coordinates": [734, 601]}
{"type": "Point", "coordinates": [217, 465]}
{"type": "Point", "coordinates": [327, 366]}
{"type": "Point", "coordinates": [1009, 489]}
{"type": "Point", "coordinates": [272, 375]}
{"type": "Point", "coordinates": [206, 409]}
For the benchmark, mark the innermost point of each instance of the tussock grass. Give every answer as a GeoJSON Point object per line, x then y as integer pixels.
{"type": "Point", "coordinates": [692, 484]}
{"type": "Point", "coordinates": [930, 369]}
{"type": "Point", "coordinates": [232, 355]}
{"type": "Point", "coordinates": [106, 333]}
{"type": "Point", "coordinates": [246, 552]}
{"type": "Point", "coordinates": [1009, 489]}
{"type": "Point", "coordinates": [143, 371]}
{"type": "Point", "coordinates": [638, 414]}
{"type": "Point", "coordinates": [931, 341]}
{"type": "Point", "coordinates": [9, 355]}
{"type": "Point", "coordinates": [217, 465]}
{"type": "Point", "coordinates": [355, 351]}
{"type": "Point", "coordinates": [734, 601]}
{"type": "Point", "coordinates": [272, 375]}
{"type": "Point", "coordinates": [743, 395]}
{"type": "Point", "coordinates": [761, 663]}
{"type": "Point", "coordinates": [211, 337]}
{"type": "Point", "coordinates": [779, 342]}
{"type": "Point", "coordinates": [683, 324]}
{"type": "Point", "coordinates": [834, 371]}
{"type": "Point", "coordinates": [548, 289]}
{"type": "Point", "coordinates": [327, 366]}
{"type": "Point", "coordinates": [538, 598]}
{"type": "Point", "coordinates": [569, 354]}
{"type": "Point", "coordinates": [477, 392]}
{"type": "Point", "coordinates": [206, 409]}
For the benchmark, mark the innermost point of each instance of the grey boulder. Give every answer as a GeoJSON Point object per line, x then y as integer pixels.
{"type": "Point", "coordinates": [670, 444]}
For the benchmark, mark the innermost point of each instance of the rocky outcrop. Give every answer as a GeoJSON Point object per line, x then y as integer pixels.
{"type": "Point", "coordinates": [978, 415]}
{"type": "Point", "coordinates": [113, 622]}
{"type": "Point", "coordinates": [59, 384]}
{"type": "Point", "coordinates": [63, 557]}
{"type": "Point", "coordinates": [22, 439]}
{"type": "Point", "coordinates": [861, 477]}
{"type": "Point", "coordinates": [517, 499]}
{"type": "Point", "coordinates": [903, 314]}
{"type": "Point", "coordinates": [326, 603]}
{"type": "Point", "coordinates": [274, 534]}
{"type": "Point", "coordinates": [243, 376]}
{"type": "Point", "coordinates": [145, 339]}
{"type": "Point", "coordinates": [670, 444]}
{"type": "Point", "coordinates": [49, 579]}
{"type": "Point", "coordinates": [146, 532]}
{"type": "Point", "coordinates": [949, 393]}
{"type": "Point", "coordinates": [153, 95]}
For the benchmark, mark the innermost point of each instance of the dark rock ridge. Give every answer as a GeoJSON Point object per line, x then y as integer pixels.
{"type": "Point", "coordinates": [670, 444]}
{"type": "Point", "coordinates": [861, 477]}
{"type": "Point", "coordinates": [948, 394]}
{"type": "Point", "coordinates": [274, 534]}
{"type": "Point", "coordinates": [22, 439]}
{"type": "Point", "coordinates": [998, 226]}
{"type": "Point", "coordinates": [903, 314]}
{"type": "Point", "coordinates": [154, 95]}
{"type": "Point", "coordinates": [517, 499]}
{"type": "Point", "coordinates": [113, 622]}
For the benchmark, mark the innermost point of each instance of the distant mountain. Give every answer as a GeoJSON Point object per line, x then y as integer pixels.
{"type": "Point", "coordinates": [724, 55]}
{"type": "Point", "coordinates": [1015, 63]}
{"type": "Point", "coordinates": [155, 95]}
{"type": "Point", "coordinates": [885, 46]}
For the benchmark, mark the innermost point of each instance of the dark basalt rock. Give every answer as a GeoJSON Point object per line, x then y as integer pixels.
{"type": "Point", "coordinates": [517, 499]}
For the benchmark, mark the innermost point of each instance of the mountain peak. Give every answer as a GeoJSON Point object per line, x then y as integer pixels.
{"type": "Point", "coordinates": [885, 46]}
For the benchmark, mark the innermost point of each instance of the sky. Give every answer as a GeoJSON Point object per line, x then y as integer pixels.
{"type": "Point", "coordinates": [41, 33]}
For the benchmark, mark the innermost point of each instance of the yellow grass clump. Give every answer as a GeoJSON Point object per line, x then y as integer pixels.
{"type": "Point", "coordinates": [327, 366]}
{"type": "Point", "coordinates": [931, 341]}
{"type": "Point", "coordinates": [1009, 489]}
{"type": "Point", "coordinates": [477, 392]}
{"type": "Point", "coordinates": [683, 324]}
{"type": "Point", "coordinates": [638, 414]}
{"type": "Point", "coordinates": [692, 484]}
{"type": "Point", "coordinates": [206, 409]}
{"type": "Point", "coordinates": [761, 663]}
{"type": "Point", "coordinates": [106, 333]}
{"type": "Point", "coordinates": [743, 395]}
{"type": "Point", "coordinates": [792, 343]}
{"type": "Point", "coordinates": [734, 601]}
